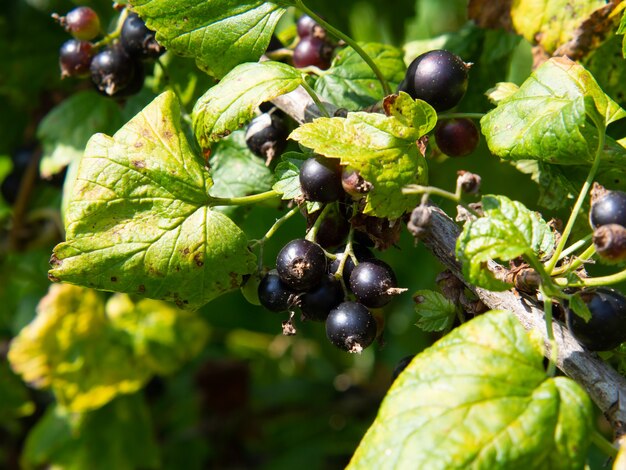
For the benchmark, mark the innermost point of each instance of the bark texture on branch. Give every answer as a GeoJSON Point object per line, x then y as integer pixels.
{"type": "Point", "coordinates": [604, 385]}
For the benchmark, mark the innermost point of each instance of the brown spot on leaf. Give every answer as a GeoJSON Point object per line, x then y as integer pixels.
{"type": "Point", "coordinates": [388, 103]}
{"type": "Point", "coordinates": [167, 134]}
{"type": "Point", "coordinates": [234, 280]}
{"type": "Point", "coordinates": [138, 144]}
{"type": "Point", "coordinates": [138, 163]}
{"type": "Point", "coordinates": [185, 251]}
{"type": "Point", "coordinates": [198, 259]}
{"type": "Point", "coordinates": [141, 288]}
{"type": "Point", "coordinates": [113, 279]}
{"type": "Point", "coordinates": [53, 278]}
{"type": "Point", "coordinates": [54, 261]}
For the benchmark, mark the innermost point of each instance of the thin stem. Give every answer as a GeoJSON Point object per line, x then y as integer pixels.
{"type": "Point", "coordinates": [349, 251]}
{"type": "Point", "coordinates": [572, 248]}
{"type": "Point", "coordinates": [312, 233]}
{"type": "Point", "coordinates": [460, 115]}
{"type": "Point", "coordinates": [419, 189]}
{"type": "Point", "coordinates": [577, 262]}
{"type": "Point", "coordinates": [242, 200]}
{"type": "Point", "coordinates": [601, 281]}
{"type": "Point", "coordinates": [315, 98]}
{"type": "Point", "coordinates": [348, 40]}
{"type": "Point", "coordinates": [109, 38]}
{"type": "Point", "coordinates": [273, 229]}
{"type": "Point", "coordinates": [579, 202]}
{"type": "Point", "coordinates": [547, 309]}
{"type": "Point", "coordinates": [601, 443]}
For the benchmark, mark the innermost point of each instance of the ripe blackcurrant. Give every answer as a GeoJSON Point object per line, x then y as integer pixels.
{"type": "Point", "coordinates": [457, 137]}
{"type": "Point", "coordinates": [351, 327]}
{"type": "Point", "coordinates": [438, 77]}
{"type": "Point", "coordinates": [610, 242]}
{"type": "Point", "coordinates": [312, 51]}
{"type": "Point", "coordinates": [307, 26]}
{"type": "Point", "coordinates": [318, 302]}
{"type": "Point", "coordinates": [75, 58]}
{"type": "Point", "coordinates": [139, 41]}
{"type": "Point", "coordinates": [320, 179]}
{"type": "Point", "coordinates": [374, 283]}
{"type": "Point", "coordinates": [361, 252]}
{"type": "Point", "coordinates": [112, 70]}
{"type": "Point", "coordinates": [607, 328]}
{"type": "Point", "coordinates": [301, 264]}
{"type": "Point", "coordinates": [274, 295]}
{"type": "Point", "coordinates": [81, 22]}
{"type": "Point", "coordinates": [266, 136]}
{"type": "Point", "coordinates": [609, 209]}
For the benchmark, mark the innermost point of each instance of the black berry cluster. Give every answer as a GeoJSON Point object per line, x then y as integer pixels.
{"type": "Point", "coordinates": [607, 217]}
{"type": "Point", "coordinates": [313, 48]}
{"type": "Point", "coordinates": [116, 69]}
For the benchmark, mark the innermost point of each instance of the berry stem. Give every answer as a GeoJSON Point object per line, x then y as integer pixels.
{"type": "Point", "coordinates": [109, 38]}
{"type": "Point", "coordinates": [427, 191]}
{"type": "Point", "coordinates": [315, 98]}
{"type": "Point", "coordinates": [349, 251]}
{"type": "Point", "coordinates": [273, 229]}
{"type": "Point", "coordinates": [460, 115]}
{"type": "Point", "coordinates": [578, 261]}
{"type": "Point", "coordinates": [243, 200]}
{"type": "Point", "coordinates": [348, 40]}
{"type": "Point", "coordinates": [600, 281]}
{"type": "Point", "coordinates": [581, 197]}
{"type": "Point", "coordinates": [547, 309]}
{"type": "Point", "coordinates": [603, 444]}
{"type": "Point", "coordinates": [312, 233]}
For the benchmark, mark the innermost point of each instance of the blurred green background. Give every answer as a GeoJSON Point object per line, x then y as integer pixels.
{"type": "Point", "coordinates": [253, 399]}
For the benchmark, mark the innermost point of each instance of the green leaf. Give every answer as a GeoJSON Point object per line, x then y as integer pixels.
{"type": "Point", "coordinates": [382, 148]}
{"type": "Point", "coordinates": [350, 83]}
{"type": "Point", "coordinates": [232, 102]}
{"type": "Point", "coordinates": [507, 230]}
{"type": "Point", "coordinates": [65, 130]}
{"type": "Point", "coordinates": [117, 436]}
{"type": "Point", "coordinates": [579, 307]}
{"type": "Point", "coordinates": [163, 337]}
{"type": "Point", "coordinates": [182, 75]}
{"type": "Point", "coordinates": [546, 119]}
{"type": "Point", "coordinates": [219, 34]}
{"type": "Point", "coordinates": [480, 399]}
{"type": "Point", "coordinates": [551, 23]}
{"type": "Point", "coordinates": [70, 348]}
{"type": "Point", "coordinates": [139, 220]}
{"type": "Point", "coordinates": [501, 91]}
{"type": "Point", "coordinates": [288, 175]}
{"type": "Point", "coordinates": [436, 312]}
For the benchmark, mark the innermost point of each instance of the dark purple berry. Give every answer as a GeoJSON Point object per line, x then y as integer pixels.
{"type": "Point", "coordinates": [112, 70]}
{"type": "Point", "coordinates": [320, 179]}
{"type": "Point", "coordinates": [374, 283]}
{"type": "Point", "coordinates": [75, 58]}
{"type": "Point", "coordinates": [606, 329]}
{"type": "Point", "coordinates": [351, 327]}
{"type": "Point", "coordinates": [457, 137]}
{"type": "Point", "coordinates": [319, 301]}
{"type": "Point", "coordinates": [609, 209]}
{"type": "Point", "coordinates": [301, 264]}
{"type": "Point", "coordinates": [266, 135]}
{"type": "Point", "coordinates": [312, 51]}
{"type": "Point", "coordinates": [333, 229]}
{"type": "Point", "coordinates": [307, 26]}
{"type": "Point", "coordinates": [274, 295]}
{"type": "Point", "coordinates": [81, 22]}
{"type": "Point", "coordinates": [139, 41]}
{"type": "Point", "coordinates": [438, 77]}
{"type": "Point", "coordinates": [361, 252]}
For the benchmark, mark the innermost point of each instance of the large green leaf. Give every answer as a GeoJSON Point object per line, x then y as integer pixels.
{"type": "Point", "coordinates": [507, 230]}
{"type": "Point", "coordinates": [551, 23]}
{"type": "Point", "coordinates": [139, 220]}
{"type": "Point", "coordinates": [547, 118]}
{"type": "Point", "coordinates": [350, 83]}
{"type": "Point", "coordinates": [219, 34]}
{"type": "Point", "coordinates": [232, 102]}
{"type": "Point", "coordinates": [117, 436]}
{"type": "Point", "coordinates": [382, 148]}
{"type": "Point", "coordinates": [65, 130]}
{"type": "Point", "coordinates": [480, 399]}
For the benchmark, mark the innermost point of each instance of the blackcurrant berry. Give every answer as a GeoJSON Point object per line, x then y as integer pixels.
{"type": "Point", "coordinates": [351, 327]}
{"type": "Point", "coordinates": [274, 295]}
{"type": "Point", "coordinates": [266, 135]}
{"type": "Point", "coordinates": [318, 302]}
{"type": "Point", "coordinates": [307, 26]}
{"type": "Point", "coordinates": [320, 179]}
{"type": "Point", "coordinates": [139, 41]}
{"type": "Point", "coordinates": [457, 137]}
{"type": "Point", "coordinates": [75, 58]}
{"type": "Point", "coordinates": [312, 51]}
{"type": "Point", "coordinates": [81, 22]}
{"type": "Point", "coordinates": [400, 366]}
{"type": "Point", "coordinates": [609, 209]}
{"type": "Point", "coordinates": [333, 229]}
{"type": "Point", "coordinates": [610, 242]}
{"type": "Point", "coordinates": [607, 327]}
{"type": "Point", "coordinates": [374, 283]}
{"type": "Point", "coordinates": [301, 264]}
{"type": "Point", "coordinates": [112, 70]}
{"type": "Point", "coordinates": [438, 77]}
{"type": "Point", "coordinates": [361, 252]}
